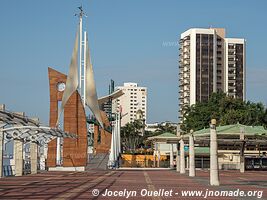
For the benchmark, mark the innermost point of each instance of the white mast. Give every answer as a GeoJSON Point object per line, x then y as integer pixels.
{"type": "Point", "coordinates": [84, 69]}
{"type": "Point", "coordinates": [82, 66]}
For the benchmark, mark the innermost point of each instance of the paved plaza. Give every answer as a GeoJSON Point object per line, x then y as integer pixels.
{"type": "Point", "coordinates": [86, 185]}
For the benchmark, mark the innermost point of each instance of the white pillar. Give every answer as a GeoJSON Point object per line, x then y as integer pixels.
{"type": "Point", "coordinates": [192, 171]}
{"type": "Point", "coordinates": [242, 149]}
{"type": "Point", "coordinates": [111, 153]}
{"type": "Point", "coordinates": [214, 170]}
{"type": "Point", "coordinates": [18, 156]}
{"type": "Point", "coordinates": [154, 155]}
{"type": "Point", "coordinates": [116, 138]}
{"type": "Point", "coordinates": [171, 156]}
{"type": "Point", "coordinates": [119, 132]}
{"type": "Point", "coordinates": [58, 158]}
{"type": "Point", "coordinates": [43, 156]}
{"type": "Point", "coordinates": [1, 152]}
{"type": "Point", "coordinates": [158, 157]}
{"type": "Point", "coordinates": [118, 135]}
{"type": "Point", "coordinates": [182, 158]}
{"type": "Point", "coordinates": [187, 162]}
{"type": "Point", "coordinates": [33, 156]}
{"type": "Point", "coordinates": [177, 160]}
{"type": "Point", "coordinates": [80, 52]}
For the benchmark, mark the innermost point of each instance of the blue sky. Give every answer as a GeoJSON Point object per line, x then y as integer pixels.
{"type": "Point", "coordinates": [126, 40]}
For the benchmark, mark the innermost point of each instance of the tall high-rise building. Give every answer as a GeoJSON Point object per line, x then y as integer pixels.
{"type": "Point", "coordinates": [235, 70]}
{"type": "Point", "coordinates": [209, 62]}
{"type": "Point", "coordinates": [132, 104]}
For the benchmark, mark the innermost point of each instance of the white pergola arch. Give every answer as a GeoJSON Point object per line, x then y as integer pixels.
{"type": "Point", "coordinates": [22, 129]}
{"type": "Point", "coordinates": [35, 133]}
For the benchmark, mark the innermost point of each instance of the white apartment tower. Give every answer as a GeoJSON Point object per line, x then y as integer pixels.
{"type": "Point", "coordinates": [209, 62]}
{"type": "Point", "coordinates": [132, 104]}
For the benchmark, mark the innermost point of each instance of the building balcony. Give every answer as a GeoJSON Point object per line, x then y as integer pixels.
{"type": "Point", "coordinates": [186, 77]}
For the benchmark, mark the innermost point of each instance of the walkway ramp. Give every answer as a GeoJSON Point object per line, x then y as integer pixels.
{"type": "Point", "coordinates": [98, 161]}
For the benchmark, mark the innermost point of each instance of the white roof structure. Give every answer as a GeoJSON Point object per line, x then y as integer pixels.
{"type": "Point", "coordinates": [18, 126]}
{"type": "Point", "coordinates": [114, 95]}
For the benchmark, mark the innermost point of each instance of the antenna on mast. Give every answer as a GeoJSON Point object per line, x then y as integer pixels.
{"type": "Point", "coordinates": [82, 13]}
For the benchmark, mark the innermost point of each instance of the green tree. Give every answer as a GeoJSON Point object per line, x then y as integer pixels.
{"type": "Point", "coordinates": [167, 127]}
{"type": "Point", "coordinates": [226, 110]}
{"type": "Point", "coordinates": [132, 135]}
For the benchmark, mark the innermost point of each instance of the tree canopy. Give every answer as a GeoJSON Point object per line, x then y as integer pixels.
{"type": "Point", "coordinates": [226, 110]}
{"type": "Point", "coordinates": [134, 136]}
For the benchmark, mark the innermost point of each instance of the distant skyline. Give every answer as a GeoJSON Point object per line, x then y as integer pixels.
{"type": "Point", "coordinates": [130, 41]}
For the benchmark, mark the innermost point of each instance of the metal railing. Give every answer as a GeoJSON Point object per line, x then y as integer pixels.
{"type": "Point", "coordinates": [8, 170]}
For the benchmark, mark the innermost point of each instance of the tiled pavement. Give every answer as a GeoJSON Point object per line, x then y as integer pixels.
{"type": "Point", "coordinates": [81, 185]}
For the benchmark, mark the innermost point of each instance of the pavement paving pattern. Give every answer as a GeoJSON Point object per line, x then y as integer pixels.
{"type": "Point", "coordinates": [95, 184]}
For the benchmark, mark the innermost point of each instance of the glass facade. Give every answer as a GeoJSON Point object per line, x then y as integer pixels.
{"type": "Point", "coordinates": [204, 66]}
